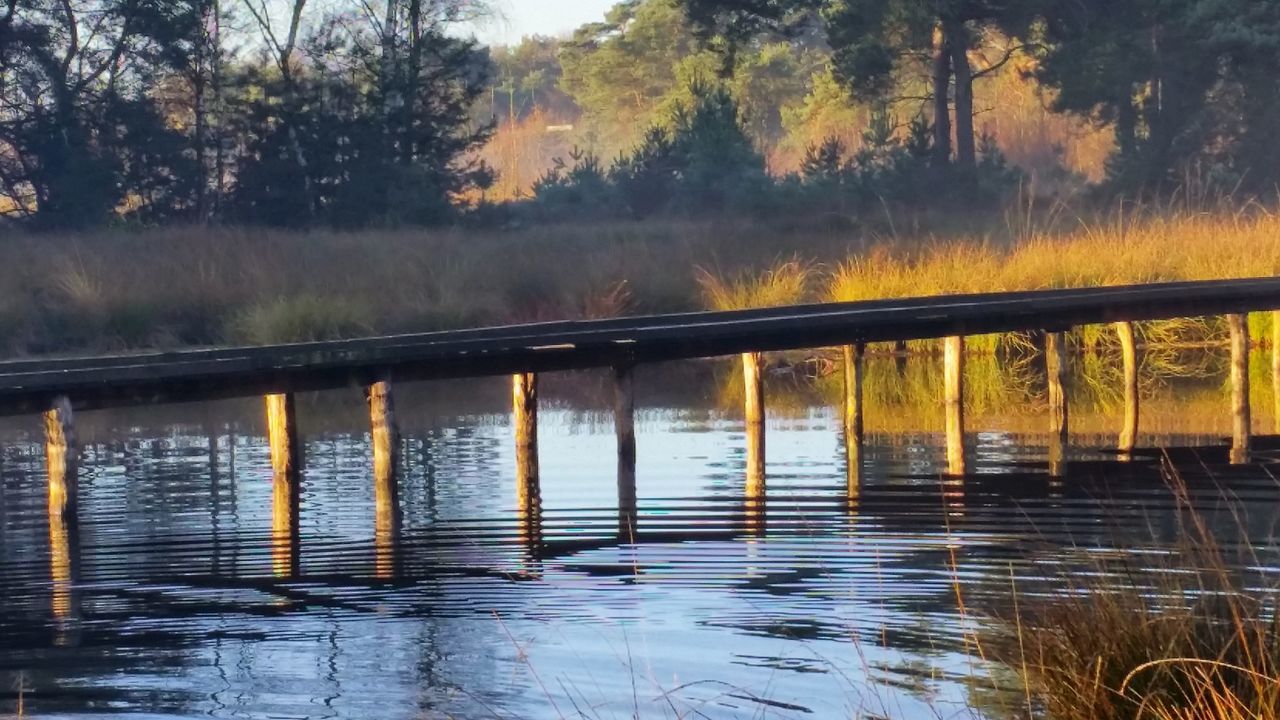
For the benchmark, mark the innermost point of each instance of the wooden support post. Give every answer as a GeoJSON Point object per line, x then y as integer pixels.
{"type": "Point", "coordinates": [385, 433]}
{"type": "Point", "coordinates": [525, 422]}
{"type": "Point", "coordinates": [854, 356]}
{"type": "Point", "coordinates": [1055, 358]}
{"type": "Point", "coordinates": [953, 372]}
{"type": "Point", "coordinates": [286, 491]}
{"type": "Point", "coordinates": [753, 384]}
{"type": "Point", "coordinates": [1129, 350]}
{"type": "Point", "coordinates": [754, 407]}
{"type": "Point", "coordinates": [1241, 424]}
{"type": "Point", "coordinates": [624, 422]}
{"type": "Point", "coordinates": [282, 436]}
{"type": "Point", "coordinates": [1275, 367]}
{"type": "Point", "coordinates": [62, 457]}
{"type": "Point", "coordinates": [385, 438]}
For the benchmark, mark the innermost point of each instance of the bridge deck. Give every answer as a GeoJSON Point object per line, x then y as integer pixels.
{"type": "Point", "coordinates": [30, 385]}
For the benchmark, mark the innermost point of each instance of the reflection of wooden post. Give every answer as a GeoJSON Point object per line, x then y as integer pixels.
{"type": "Point", "coordinates": [1055, 359]}
{"type": "Point", "coordinates": [753, 379]}
{"type": "Point", "coordinates": [286, 466]}
{"type": "Point", "coordinates": [285, 538]}
{"type": "Point", "coordinates": [525, 421]}
{"type": "Point", "coordinates": [1129, 350]}
{"type": "Point", "coordinates": [1241, 425]}
{"type": "Point", "coordinates": [62, 457]}
{"type": "Point", "coordinates": [64, 564]}
{"type": "Point", "coordinates": [385, 438]}
{"type": "Point", "coordinates": [624, 422]}
{"type": "Point", "coordinates": [853, 420]}
{"type": "Point", "coordinates": [953, 373]}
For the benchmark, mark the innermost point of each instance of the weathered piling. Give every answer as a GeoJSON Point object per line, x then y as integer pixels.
{"type": "Point", "coordinates": [525, 423]}
{"type": "Point", "coordinates": [282, 436]}
{"type": "Point", "coordinates": [753, 383]}
{"type": "Point", "coordinates": [62, 458]}
{"type": "Point", "coordinates": [1055, 359]}
{"type": "Point", "coordinates": [286, 490]}
{"type": "Point", "coordinates": [385, 439]}
{"type": "Point", "coordinates": [528, 482]}
{"type": "Point", "coordinates": [953, 375]}
{"type": "Point", "coordinates": [1241, 421]}
{"type": "Point", "coordinates": [1129, 352]}
{"type": "Point", "coordinates": [1275, 366]}
{"type": "Point", "coordinates": [624, 423]}
{"type": "Point", "coordinates": [854, 368]}
{"type": "Point", "coordinates": [384, 433]}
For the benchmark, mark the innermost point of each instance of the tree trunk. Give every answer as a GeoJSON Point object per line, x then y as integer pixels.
{"type": "Point", "coordinates": [941, 106]}
{"type": "Point", "coordinates": [966, 143]}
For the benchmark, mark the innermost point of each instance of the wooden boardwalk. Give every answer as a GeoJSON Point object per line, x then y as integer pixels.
{"type": "Point", "coordinates": [30, 386]}
{"type": "Point", "coordinates": [57, 388]}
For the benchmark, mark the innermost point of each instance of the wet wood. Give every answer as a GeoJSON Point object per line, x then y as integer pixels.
{"type": "Point", "coordinates": [1055, 356]}
{"type": "Point", "coordinates": [624, 423]}
{"type": "Point", "coordinates": [62, 458]}
{"type": "Point", "coordinates": [525, 424]}
{"type": "Point", "coordinates": [1129, 355]}
{"type": "Point", "coordinates": [953, 378]}
{"type": "Point", "coordinates": [282, 435]}
{"type": "Point", "coordinates": [385, 439]}
{"type": "Point", "coordinates": [854, 440]}
{"type": "Point", "coordinates": [1241, 422]}
{"type": "Point", "coordinates": [753, 407]}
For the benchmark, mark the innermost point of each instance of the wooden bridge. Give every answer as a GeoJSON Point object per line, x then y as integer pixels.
{"type": "Point", "coordinates": [59, 387]}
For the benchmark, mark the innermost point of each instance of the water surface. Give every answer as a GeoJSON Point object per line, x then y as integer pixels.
{"type": "Point", "coordinates": [173, 598]}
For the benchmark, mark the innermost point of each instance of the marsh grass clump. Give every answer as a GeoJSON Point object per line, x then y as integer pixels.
{"type": "Point", "coordinates": [1191, 638]}
{"type": "Point", "coordinates": [786, 282]}
{"type": "Point", "coordinates": [301, 318]}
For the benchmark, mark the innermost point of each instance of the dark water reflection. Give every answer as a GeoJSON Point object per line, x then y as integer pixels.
{"type": "Point", "coordinates": [174, 598]}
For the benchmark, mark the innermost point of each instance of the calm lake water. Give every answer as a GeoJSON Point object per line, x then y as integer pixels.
{"type": "Point", "coordinates": [173, 600]}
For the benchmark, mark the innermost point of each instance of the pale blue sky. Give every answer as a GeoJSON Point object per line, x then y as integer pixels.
{"type": "Point", "coordinates": [539, 17]}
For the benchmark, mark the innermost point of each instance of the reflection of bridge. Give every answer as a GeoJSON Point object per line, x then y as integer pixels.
{"type": "Point", "coordinates": [56, 387]}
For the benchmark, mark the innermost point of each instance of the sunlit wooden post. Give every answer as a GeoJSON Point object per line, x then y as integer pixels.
{"type": "Point", "coordinates": [753, 384]}
{"type": "Point", "coordinates": [282, 436]}
{"type": "Point", "coordinates": [1129, 352]}
{"type": "Point", "coordinates": [286, 491]}
{"type": "Point", "coordinates": [525, 422]}
{"type": "Point", "coordinates": [854, 367]}
{"type": "Point", "coordinates": [62, 459]}
{"type": "Point", "coordinates": [754, 407]}
{"type": "Point", "coordinates": [385, 439]}
{"type": "Point", "coordinates": [1055, 358]}
{"type": "Point", "coordinates": [1275, 366]}
{"type": "Point", "coordinates": [953, 377]}
{"type": "Point", "coordinates": [624, 423]}
{"type": "Point", "coordinates": [1241, 425]}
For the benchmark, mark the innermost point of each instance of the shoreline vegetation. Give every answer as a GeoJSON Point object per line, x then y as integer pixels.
{"type": "Point", "coordinates": [196, 286]}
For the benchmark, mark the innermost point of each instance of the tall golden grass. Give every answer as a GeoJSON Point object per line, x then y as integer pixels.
{"type": "Point", "coordinates": [198, 286]}
{"type": "Point", "coordinates": [1185, 637]}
